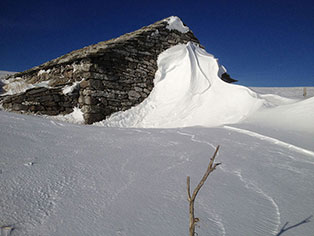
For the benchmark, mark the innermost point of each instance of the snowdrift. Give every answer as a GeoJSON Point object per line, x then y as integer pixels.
{"type": "Point", "coordinates": [188, 92]}
{"type": "Point", "coordinates": [297, 115]}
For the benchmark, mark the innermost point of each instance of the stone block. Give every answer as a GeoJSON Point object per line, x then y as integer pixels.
{"type": "Point", "coordinates": [96, 84]}
{"type": "Point", "coordinates": [45, 98]}
{"type": "Point", "coordinates": [56, 98]}
{"type": "Point", "coordinates": [84, 84]}
{"type": "Point", "coordinates": [51, 113]}
{"type": "Point", "coordinates": [50, 104]}
{"type": "Point", "coordinates": [36, 90]}
{"type": "Point", "coordinates": [19, 107]}
{"type": "Point", "coordinates": [90, 100]}
{"type": "Point", "coordinates": [133, 95]}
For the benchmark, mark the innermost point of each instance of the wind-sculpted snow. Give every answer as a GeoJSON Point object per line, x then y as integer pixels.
{"type": "Point", "coordinates": [188, 92]}
{"type": "Point", "coordinates": [272, 140]}
{"type": "Point", "coordinates": [66, 179]}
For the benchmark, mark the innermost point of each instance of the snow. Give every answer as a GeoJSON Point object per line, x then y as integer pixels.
{"type": "Point", "coordinates": [16, 85]}
{"type": "Point", "coordinates": [221, 70]}
{"type": "Point", "coordinates": [287, 92]}
{"type": "Point", "coordinates": [70, 88]}
{"type": "Point", "coordinates": [4, 74]}
{"type": "Point", "coordinates": [59, 178]}
{"type": "Point", "coordinates": [188, 92]}
{"type": "Point", "coordinates": [74, 117]}
{"type": "Point", "coordinates": [294, 116]}
{"type": "Point", "coordinates": [175, 23]}
{"type": "Point", "coordinates": [272, 140]}
{"type": "Point", "coordinates": [155, 33]}
{"type": "Point", "coordinates": [19, 85]}
{"type": "Point", "coordinates": [43, 72]}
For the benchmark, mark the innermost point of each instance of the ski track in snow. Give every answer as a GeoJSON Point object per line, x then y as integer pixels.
{"type": "Point", "coordinates": [247, 184]}
{"type": "Point", "coordinates": [193, 139]}
{"type": "Point", "coordinates": [272, 140]}
{"type": "Point", "coordinates": [252, 186]}
{"type": "Point", "coordinates": [187, 159]}
{"type": "Point", "coordinates": [192, 136]}
{"type": "Point", "coordinates": [214, 216]}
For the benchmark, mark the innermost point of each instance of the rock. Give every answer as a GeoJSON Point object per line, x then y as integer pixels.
{"type": "Point", "coordinates": [36, 90]}
{"type": "Point", "coordinates": [226, 77]}
{"type": "Point", "coordinates": [19, 107]}
{"type": "Point", "coordinates": [84, 84]}
{"type": "Point", "coordinates": [133, 95]}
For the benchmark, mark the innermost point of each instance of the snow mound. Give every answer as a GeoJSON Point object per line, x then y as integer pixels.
{"type": "Point", "coordinates": [276, 100]}
{"type": "Point", "coordinates": [188, 92]}
{"type": "Point", "coordinates": [74, 117]}
{"type": "Point", "coordinates": [292, 116]}
{"type": "Point", "coordinates": [174, 23]}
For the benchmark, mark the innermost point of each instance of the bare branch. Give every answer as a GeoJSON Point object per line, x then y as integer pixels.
{"type": "Point", "coordinates": [208, 171]}
{"type": "Point", "coordinates": [188, 187]}
{"type": "Point", "coordinates": [211, 167]}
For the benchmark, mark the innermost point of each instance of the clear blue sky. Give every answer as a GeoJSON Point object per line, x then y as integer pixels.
{"type": "Point", "coordinates": [261, 43]}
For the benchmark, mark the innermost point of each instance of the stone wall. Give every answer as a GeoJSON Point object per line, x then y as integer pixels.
{"type": "Point", "coordinates": [42, 101]}
{"type": "Point", "coordinates": [108, 77]}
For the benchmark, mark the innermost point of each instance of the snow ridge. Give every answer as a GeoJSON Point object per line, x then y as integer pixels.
{"type": "Point", "coordinates": [271, 140]}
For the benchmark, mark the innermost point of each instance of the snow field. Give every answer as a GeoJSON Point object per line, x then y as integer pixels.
{"type": "Point", "coordinates": [59, 178]}
{"type": "Point", "coordinates": [88, 180]}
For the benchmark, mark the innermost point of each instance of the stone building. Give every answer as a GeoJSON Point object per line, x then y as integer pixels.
{"type": "Point", "coordinates": [100, 79]}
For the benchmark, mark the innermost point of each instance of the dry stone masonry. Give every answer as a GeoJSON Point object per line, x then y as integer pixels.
{"type": "Point", "coordinates": [100, 79]}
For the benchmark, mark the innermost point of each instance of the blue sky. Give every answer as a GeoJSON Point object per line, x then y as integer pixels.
{"type": "Point", "coordinates": [261, 43]}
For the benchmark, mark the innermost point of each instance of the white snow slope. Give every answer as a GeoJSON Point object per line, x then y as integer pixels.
{"type": "Point", "coordinates": [65, 179]}
{"type": "Point", "coordinates": [59, 178]}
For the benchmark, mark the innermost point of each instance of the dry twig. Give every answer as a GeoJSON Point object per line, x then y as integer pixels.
{"type": "Point", "coordinates": [191, 198]}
